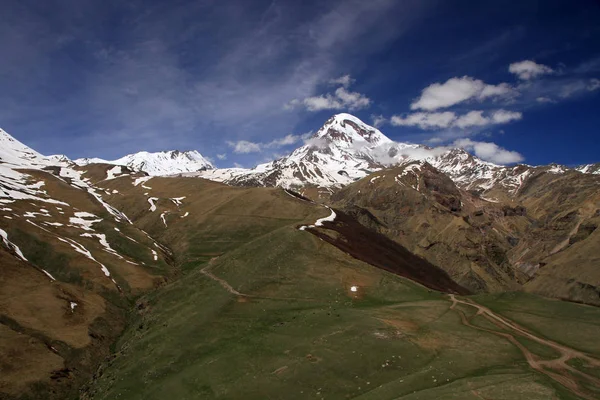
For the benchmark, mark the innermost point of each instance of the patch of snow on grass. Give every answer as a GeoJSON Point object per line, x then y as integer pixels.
{"type": "Point", "coordinates": [141, 180]}
{"type": "Point", "coordinates": [114, 172]}
{"type": "Point", "coordinates": [154, 254]}
{"type": "Point", "coordinates": [49, 275]}
{"type": "Point", "coordinates": [330, 218]}
{"type": "Point", "coordinates": [177, 200]}
{"type": "Point", "coordinates": [102, 239]}
{"type": "Point", "coordinates": [83, 221]}
{"type": "Point", "coordinates": [151, 200]}
{"type": "Point", "coordinates": [11, 245]}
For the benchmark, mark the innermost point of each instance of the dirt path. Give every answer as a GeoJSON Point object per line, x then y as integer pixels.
{"type": "Point", "coordinates": [230, 289]}
{"type": "Point", "coordinates": [557, 369]}
{"type": "Point", "coordinates": [221, 282]}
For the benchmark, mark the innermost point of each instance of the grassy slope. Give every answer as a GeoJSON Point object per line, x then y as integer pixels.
{"type": "Point", "coordinates": [301, 332]}
{"type": "Point", "coordinates": [304, 334]}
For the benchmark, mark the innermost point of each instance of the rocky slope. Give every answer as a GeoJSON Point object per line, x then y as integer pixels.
{"type": "Point", "coordinates": [536, 238]}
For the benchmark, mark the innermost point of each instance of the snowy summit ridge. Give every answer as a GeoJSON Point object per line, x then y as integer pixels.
{"type": "Point", "coordinates": [160, 163]}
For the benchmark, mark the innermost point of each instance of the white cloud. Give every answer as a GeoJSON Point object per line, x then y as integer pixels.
{"type": "Point", "coordinates": [489, 151]}
{"type": "Point", "coordinates": [340, 99]}
{"type": "Point", "coordinates": [449, 119]}
{"type": "Point", "coordinates": [544, 99]}
{"type": "Point", "coordinates": [378, 120]}
{"type": "Point", "coordinates": [222, 156]}
{"type": "Point", "coordinates": [244, 147]}
{"type": "Point", "coordinates": [594, 84]}
{"type": "Point", "coordinates": [504, 116]}
{"type": "Point", "coordinates": [425, 120]}
{"type": "Point", "coordinates": [472, 118]}
{"type": "Point", "coordinates": [284, 141]}
{"type": "Point", "coordinates": [352, 100]}
{"type": "Point", "coordinates": [528, 69]}
{"type": "Point", "coordinates": [458, 90]}
{"type": "Point", "coordinates": [345, 81]}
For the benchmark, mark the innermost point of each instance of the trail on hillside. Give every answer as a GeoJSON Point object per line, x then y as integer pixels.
{"type": "Point", "coordinates": [557, 369]}
{"type": "Point", "coordinates": [230, 289]}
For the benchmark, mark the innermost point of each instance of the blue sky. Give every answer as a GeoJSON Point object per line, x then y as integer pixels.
{"type": "Point", "coordinates": [242, 81]}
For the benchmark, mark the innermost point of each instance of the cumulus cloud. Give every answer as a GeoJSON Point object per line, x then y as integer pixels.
{"type": "Point", "coordinates": [244, 147]}
{"type": "Point", "coordinates": [458, 90]}
{"type": "Point", "coordinates": [378, 120]}
{"type": "Point", "coordinates": [527, 69]}
{"type": "Point", "coordinates": [504, 116]}
{"type": "Point", "coordinates": [544, 99]}
{"type": "Point", "coordinates": [435, 120]}
{"type": "Point", "coordinates": [341, 99]}
{"type": "Point", "coordinates": [489, 151]}
{"type": "Point", "coordinates": [344, 80]}
{"type": "Point", "coordinates": [449, 119]}
{"type": "Point", "coordinates": [284, 141]}
{"type": "Point", "coordinates": [594, 84]}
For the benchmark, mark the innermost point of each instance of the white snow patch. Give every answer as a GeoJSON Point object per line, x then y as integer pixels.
{"type": "Point", "coordinates": [177, 200]}
{"type": "Point", "coordinates": [49, 275]}
{"type": "Point", "coordinates": [330, 218]}
{"type": "Point", "coordinates": [320, 221]}
{"type": "Point", "coordinates": [151, 200]}
{"type": "Point", "coordinates": [114, 172]}
{"type": "Point", "coordinates": [52, 223]}
{"type": "Point", "coordinates": [11, 245]}
{"type": "Point", "coordinates": [154, 254]}
{"type": "Point", "coordinates": [81, 220]}
{"type": "Point", "coordinates": [141, 180]}
{"type": "Point", "coordinates": [73, 305]}
{"type": "Point", "coordinates": [104, 242]}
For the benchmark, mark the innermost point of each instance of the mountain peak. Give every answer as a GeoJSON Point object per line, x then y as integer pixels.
{"type": "Point", "coordinates": [346, 130]}
{"type": "Point", "coordinates": [14, 152]}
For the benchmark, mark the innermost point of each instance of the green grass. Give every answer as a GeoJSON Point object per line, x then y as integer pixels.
{"type": "Point", "coordinates": [571, 324]}
{"type": "Point", "coordinates": [43, 255]}
{"type": "Point", "coordinates": [199, 341]}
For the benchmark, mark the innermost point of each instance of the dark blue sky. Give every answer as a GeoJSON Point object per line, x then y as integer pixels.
{"type": "Point", "coordinates": [242, 81]}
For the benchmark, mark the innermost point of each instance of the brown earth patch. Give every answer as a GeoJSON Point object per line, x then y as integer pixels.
{"type": "Point", "coordinates": [380, 251]}
{"type": "Point", "coordinates": [23, 361]}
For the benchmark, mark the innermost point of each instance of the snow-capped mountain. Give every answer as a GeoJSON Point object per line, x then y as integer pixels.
{"type": "Point", "coordinates": [159, 163]}
{"type": "Point", "coordinates": [343, 150]}
{"type": "Point", "coordinates": [16, 154]}
{"type": "Point", "coordinates": [589, 168]}
{"type": "Point", "coordinates": [346, 149]}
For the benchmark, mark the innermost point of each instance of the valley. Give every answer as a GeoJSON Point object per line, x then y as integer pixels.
{"type": "Point", "coordinates": [326, 274]}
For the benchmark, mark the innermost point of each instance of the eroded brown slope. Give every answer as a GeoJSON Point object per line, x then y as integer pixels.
{"type": "Point", "coordinates": [541, 238]}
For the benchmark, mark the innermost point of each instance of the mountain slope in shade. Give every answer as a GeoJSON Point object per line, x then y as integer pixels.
{"type": "Point", "coordinates": [159, 163]}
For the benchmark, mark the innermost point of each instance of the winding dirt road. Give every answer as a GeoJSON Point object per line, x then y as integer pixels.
{"type": "Point", "coordinates": [557, 369]}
